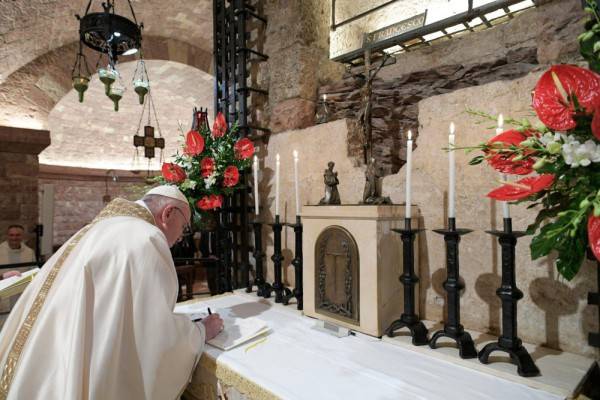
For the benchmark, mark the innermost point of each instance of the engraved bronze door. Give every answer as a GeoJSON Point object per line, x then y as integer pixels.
{"type": "Point", "coordinates": [337, 275]}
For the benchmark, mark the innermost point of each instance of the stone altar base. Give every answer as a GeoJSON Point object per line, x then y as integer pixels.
{"type": "Point", "coordinates": [379, 293]}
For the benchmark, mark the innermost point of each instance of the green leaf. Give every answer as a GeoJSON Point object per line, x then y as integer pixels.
{"type": "Point", "coordinates": [570, 257]}
{"type": "Point", "coordinates": [541, 244]}
{"type": "Point", "coordinates": [476, 160]}
{"type": "Point", "coordinates": [585, 36]}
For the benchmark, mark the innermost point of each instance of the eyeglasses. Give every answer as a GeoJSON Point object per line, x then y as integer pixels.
{"type": "Point", "coordinates": [187, 229]}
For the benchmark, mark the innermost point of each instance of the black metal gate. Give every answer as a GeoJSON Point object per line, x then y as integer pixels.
{"type": "Point", "coordinates": [238, 34]}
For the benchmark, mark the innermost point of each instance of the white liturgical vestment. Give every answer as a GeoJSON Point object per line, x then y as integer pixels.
{"type": "Point", "coordinates": [97, 322]}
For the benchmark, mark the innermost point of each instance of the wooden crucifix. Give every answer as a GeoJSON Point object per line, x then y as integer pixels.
{"type": "Point", "coordinates": [148, 141]}
{"type": "Point", "coordinates": [364, 113]}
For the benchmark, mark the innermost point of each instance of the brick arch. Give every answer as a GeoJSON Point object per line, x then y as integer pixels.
{"type": "Point", "coordinates": [29, 94]}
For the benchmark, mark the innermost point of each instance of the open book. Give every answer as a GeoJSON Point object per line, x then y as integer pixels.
{"type": "Point", "coordinates": [237, 331]}
{"type": "Point", "coordinates": [16, 284]}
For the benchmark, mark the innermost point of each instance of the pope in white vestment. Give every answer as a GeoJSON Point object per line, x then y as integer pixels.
{"type": "Point", "coordinates": [97, 322]}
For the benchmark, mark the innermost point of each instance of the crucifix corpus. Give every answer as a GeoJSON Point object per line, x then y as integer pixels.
{"type": "Point", "coordinates": [373, 174]}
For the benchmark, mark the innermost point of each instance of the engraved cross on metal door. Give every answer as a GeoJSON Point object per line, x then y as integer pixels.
{"type": "Point", "coordinates": [337, 274]}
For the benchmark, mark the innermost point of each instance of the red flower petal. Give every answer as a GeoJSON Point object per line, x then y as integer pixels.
{"type": "Point", "coordinates": [504, 163]}
{"type": "Point", "coordinates": [173, 173]}
{"type": "Point", "coordinates": [550, 105]}
{"type": "Point", "coordinates": [204, 203]}
{"type": "Point", "coordinates": [522, 188]}
{"type": "Point", "coordinates": [194, 143]}
{"type": "Point", "coordinates": [207, 166]}
{"type": "Point", "coordinates": [216, 200]}
{"type": "Point", "coordinates": [231, 176]}
{"type": "Point", "coordinates": [244, 149]}
{"type": "Point", "coordinates": [594, 235]}
{"type": "Point", "coordinates": [219, 126]}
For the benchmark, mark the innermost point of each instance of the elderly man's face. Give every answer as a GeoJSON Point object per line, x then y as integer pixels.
{"type": "Point", "coordinates": [176, 219]}
{"type": "Point", "coordinates": [14, 238]}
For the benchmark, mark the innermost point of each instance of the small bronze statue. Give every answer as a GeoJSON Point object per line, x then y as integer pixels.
{"type": "Point", "coordinates": [372, 192]}
{"type": "Point", "coordinates": [332, 196]}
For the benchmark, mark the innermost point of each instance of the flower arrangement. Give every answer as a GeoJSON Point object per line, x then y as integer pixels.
{"type": "Point", "coordinates": [559, 162]}
{"type": "Point", "coordinates": [210, 163]}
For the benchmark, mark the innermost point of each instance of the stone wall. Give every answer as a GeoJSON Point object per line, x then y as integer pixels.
{"type": "Point", "coordinates": [533, 39]}
{"type": "Point", "coordinates": [79, 192]}
{"type": "Point", "coordinates": [553, 313]}
{"type": "Point", "coordinates": [493, 70]}
{"type": "Point", "coordinates": [297, 42]}
{"type": "Point", "coordinates": [19, 149]}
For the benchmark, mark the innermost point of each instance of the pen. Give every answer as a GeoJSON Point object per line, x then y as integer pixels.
{"type": "Point", "coordinates": [209, 312]}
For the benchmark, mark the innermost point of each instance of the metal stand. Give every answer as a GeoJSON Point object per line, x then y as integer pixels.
{"type": "Point", "coordinates": [452, 328]}
{"type": "Point", "coordinates": [508, 292]}
{"type": "Point", "coordinates": [277, 257]}
{"type": "Point", "coordinates": [594, 299]}
{"type": "Point", "coordinates": [409, 319]}
{"type": "Point", "coordinates": [297, 263]}
{"type": "Point", "coordinates": [258, 254]}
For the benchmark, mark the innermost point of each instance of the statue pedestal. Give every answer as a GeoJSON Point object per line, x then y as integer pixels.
{"type": "Point", "coordinates": [352, 265]}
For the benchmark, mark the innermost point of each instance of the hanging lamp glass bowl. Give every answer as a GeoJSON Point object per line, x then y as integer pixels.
{"type": "Point", "coordinates": [80, 84]}
{"type": "Point", "coordinates": [141, 88]}
{"type": "Point", "coordinates": [108, 76]}
{"type": "Point", "coordinates": [116, 94]}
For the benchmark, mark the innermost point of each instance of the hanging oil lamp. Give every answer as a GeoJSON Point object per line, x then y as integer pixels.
{"type": "Point", "coordinates": [80, 79]}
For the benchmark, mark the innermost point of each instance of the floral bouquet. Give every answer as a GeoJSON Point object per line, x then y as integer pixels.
{"type": "Point", "coordinates": [209, 166]}
{"type": "Point", "coordinates": [564, 153]}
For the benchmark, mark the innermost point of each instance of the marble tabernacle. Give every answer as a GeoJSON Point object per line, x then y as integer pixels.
{"type": "Point", "coordinates": [352, 262]}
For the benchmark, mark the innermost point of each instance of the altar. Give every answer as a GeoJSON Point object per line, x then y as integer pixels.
{"type": "Point", "coordinates": [294, 360]}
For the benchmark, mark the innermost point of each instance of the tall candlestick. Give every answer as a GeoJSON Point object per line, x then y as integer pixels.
{"type": "Point", "coordinates": [277, 184]}
{"type": "Point", "coordinates": [499, 130]}
{"type": "Point", "coordinates": [296, 182]}
{"type": "Point", "coordinates": [255, 169]}
{"type": "Point", "coordinates": [409, 145]}
{"type": "Point", "coordinates": [452, 173]}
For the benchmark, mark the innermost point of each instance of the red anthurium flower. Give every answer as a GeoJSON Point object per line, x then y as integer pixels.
{"type": "Point", "coordinates": [217, 200]}
{"type": "Point", "coordinates": [204, 203]}
{"type": "Point", "coordinates": [522, 188]}
{"type": "Point", "coordinates": [194, 143]}
{"type": "Point", "coordinates": [219, 126]}
{"type": "Point", "coordinates": [244, 148]}
{"type": "Point", "coordinates": [207, 166]}
{"type": "Point", "coordinates": [173, 173]}
{"type": "Point", "coordinates": [594, 235]}
{"type": "Point", "coordinates": [210, 202]}
{"type": "Point", "coordinates": [231, 176]}
{"type": "Point", "coordinates": [504, 162]}
{"type": "Point", "coordinates": [559, 81]}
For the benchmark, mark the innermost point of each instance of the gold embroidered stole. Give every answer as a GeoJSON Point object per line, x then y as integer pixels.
{"type": "Point", "coordinates": [116, 208]}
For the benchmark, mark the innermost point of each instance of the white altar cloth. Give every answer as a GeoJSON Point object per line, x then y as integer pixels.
{"type": "Point", "coordinates": [296, 361]}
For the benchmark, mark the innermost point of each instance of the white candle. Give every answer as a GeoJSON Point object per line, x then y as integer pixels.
{"type": "Point", "coordinates": [409, 145]}
{"type": "Point", "coordinates": [499, 130]}
{"type": "Point", "coordinates": [255, 168]}
{"type": "Point", "coordinates": [296, 182]}
{"type": "Point", "coordinates": [277, 185]}
{"type": "Point", "coordinates": [451, 172]}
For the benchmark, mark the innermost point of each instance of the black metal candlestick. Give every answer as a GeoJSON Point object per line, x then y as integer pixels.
{"type": "Point", "coordinates": [258, 254]}
{"type": "Point", "coordinates": [594, 299]}
{"type": "Point", "coordinates": [452, 327]}
{"type": "Point", "coordinates": [297, 263]}
{"type": "Point", "coordinates": [508, 292]}
{"type": "Point", "coordinates": [409, 319]}
{"type": "Point", "coordinates": [277, 258]}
